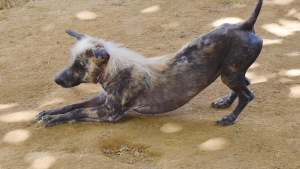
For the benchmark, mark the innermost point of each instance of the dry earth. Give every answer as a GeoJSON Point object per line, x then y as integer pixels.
{"type": "Point", "coordinates": [34, 48]}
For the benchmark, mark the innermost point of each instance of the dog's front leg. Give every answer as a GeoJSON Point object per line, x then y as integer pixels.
{"type": "Point", "coordinates": [110, 111]}
{"type": "Point", "coordinates": [96, 101]}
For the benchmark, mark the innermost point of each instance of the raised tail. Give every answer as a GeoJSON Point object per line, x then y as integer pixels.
{"type": "Point", "coordinates": [249, 23]}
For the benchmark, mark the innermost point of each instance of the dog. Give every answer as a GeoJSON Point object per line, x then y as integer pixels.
{"type": "Point", "coordinates": [161, 84]}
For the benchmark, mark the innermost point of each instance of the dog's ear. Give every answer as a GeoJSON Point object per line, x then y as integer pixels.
{"type": "Point", "coordinates": [73, 33]}
{"type": "Point", "coordinates": [102, 54]}
{"type": "Point", "coordinates": [100, 57]}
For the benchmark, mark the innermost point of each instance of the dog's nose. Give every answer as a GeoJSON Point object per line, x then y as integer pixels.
{"type": "Point", "coordinates": [57, 80]}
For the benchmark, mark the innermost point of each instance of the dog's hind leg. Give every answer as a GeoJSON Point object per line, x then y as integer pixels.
{"type": "Point", "coordinates": [227, 100]}
{"type": "Point", "coordinates": [236, 82]}
{"type": "Point", "coordinates": [233, 71]}
{"type": "Point", "coordinates": [247, 47]}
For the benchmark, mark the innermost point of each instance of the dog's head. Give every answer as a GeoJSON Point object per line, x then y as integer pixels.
{"type": "Point", "coordinates": [88, 61]}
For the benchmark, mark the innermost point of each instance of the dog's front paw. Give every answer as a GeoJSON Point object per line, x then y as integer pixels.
{"type": "Point", "coordinates": [222, 102]}
{"type": "Point", "coordinates": [42, 114]}
{"type": "Point", "coordinates": [226, 120]}
{"type": "Point", "coordinates": [45, 119]}
{"type": "Point", "coordinates": [52, 120]}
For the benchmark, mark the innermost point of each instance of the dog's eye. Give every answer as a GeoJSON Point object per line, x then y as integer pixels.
{"type": "Point", "coordinates": [79, 64]}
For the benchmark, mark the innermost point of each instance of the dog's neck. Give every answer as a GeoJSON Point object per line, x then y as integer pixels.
{"type": "Point", "coordinates": [100, 78]}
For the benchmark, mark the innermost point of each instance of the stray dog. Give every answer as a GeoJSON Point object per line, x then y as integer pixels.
{"type": "Point", "coordinates": [158, 84]}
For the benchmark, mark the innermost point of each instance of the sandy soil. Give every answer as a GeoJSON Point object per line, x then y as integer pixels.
{"type": "Point", "coordinates": [34, 48]}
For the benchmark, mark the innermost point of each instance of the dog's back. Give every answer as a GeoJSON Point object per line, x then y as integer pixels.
{"type": "Point", "coordinates": [227, 50]}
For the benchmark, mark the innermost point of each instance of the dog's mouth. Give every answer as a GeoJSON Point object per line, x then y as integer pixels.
{"type": "Point", "coordinates": [66, 84]}
{"type": "Point", "coordinates": [70, 85]}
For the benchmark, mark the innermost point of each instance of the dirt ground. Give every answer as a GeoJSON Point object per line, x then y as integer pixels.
{"type": "Point", "coordinates": [34, 48]}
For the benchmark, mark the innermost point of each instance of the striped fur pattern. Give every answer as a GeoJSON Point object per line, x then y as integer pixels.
{"type": "Point", "coordinates": [160, 84]}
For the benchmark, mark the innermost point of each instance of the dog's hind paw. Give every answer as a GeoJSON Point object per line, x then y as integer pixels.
{"type": "Point", "coordinates": [226, 120]}
{"type": "Point", "coordinates": [222, 102]}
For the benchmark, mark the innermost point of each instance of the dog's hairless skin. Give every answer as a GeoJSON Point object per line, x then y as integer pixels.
{"type": "Point", "coordinates": [160, 84]}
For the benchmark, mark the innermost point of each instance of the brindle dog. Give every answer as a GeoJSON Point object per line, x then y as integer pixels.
{"type": "Point", "coordinates": [158, 84]}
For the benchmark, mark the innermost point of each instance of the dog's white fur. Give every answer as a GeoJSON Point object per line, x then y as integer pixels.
{"type": "Point", "coordinates": [122, 58]}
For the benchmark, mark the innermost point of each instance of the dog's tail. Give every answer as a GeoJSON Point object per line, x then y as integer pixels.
{"type": "Point", "coordinates": [249, 23]}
